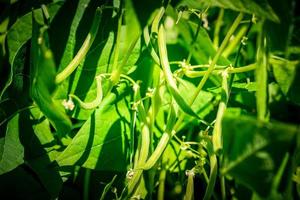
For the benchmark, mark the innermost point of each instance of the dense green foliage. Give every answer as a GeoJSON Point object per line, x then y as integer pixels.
{"type": "Point", "coordinates": [129, 99]}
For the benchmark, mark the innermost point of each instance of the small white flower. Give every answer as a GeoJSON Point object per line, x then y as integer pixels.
{"type": "Point", "coordinates": [150, 92]}
{"type": "Point", "coordinates": [190, 172]}
{"type": "Point", "coordinates": [129, 174]}
{"type": "Point", "coordinates": [69, 105]}
{"type": "Point", "coordinates": [135, 87]}
{"type": "Point", "coordinates": [244, 40]}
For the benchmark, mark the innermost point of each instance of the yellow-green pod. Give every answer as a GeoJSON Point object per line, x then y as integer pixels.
{"type": "Point", "coordinates": [96, 102]}
{"type": "Point", "coordinates": [83, 50]}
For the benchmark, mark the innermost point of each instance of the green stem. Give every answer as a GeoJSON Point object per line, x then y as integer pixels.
{"type": "Point", "coordinates": [230, 70]}
{"type": "Point", "coordinates": [86, 186]}
{"type": "Point", "coordinates": [83, 50]}
{"type": "Point", "coordinates": [218, 27]}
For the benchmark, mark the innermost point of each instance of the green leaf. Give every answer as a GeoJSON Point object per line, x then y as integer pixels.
{"type": "Point", "coordinates": [101, 142]}
{"type": "Point", "coordinates": [260, 8]}
{"type": "Point", "coordinates": [98, 59]}
{"type": "Point", "coordinates": [286, 73]}
{"type": "Point", "coordinates": [19, 34]}
{"type": "Point", "coordinates": [280, 34]}
{"type": "Point", "coordinates": [20, 184]}
{"type": "Point", "coordinates": [254, 150]}
{"type": "Point", "coordinates": [43, 74]}
{"type": "Point", "coordinates": [12, 151]}
{"type": "Point", "coordinates": [29, 140]}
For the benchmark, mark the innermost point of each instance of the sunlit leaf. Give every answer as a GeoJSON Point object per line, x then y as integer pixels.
{"type": "Point", "coordinates": [101, 142]}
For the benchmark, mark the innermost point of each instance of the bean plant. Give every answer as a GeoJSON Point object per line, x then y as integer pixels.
{"type": "Point", "coordinates": [165, 99]}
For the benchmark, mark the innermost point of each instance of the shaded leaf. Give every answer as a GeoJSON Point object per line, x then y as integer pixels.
{"type": "Point", "coordinates": [260, 8]}
{"type": "Point", "coordinates": [254, 150]}
{"type": "Point", "coordinates": [19, 34]}
{"type": "Point", "coordinates": [29, 140]}
{"type": "Point", "coordinates": [12, 151]}
{"type": "Point", "coordinates": [286, 73]}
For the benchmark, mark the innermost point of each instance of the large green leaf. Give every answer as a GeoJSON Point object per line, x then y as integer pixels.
{"type": "Point", "coordinates": [43, 74]}
{"type": "Point", "coordinates": [99, 58]}
{"type": "Point", "coordinates": [260, 8]}
{"type": "Point", "coordinates": [101, 143]}
{"type": "Point", "coordinates": [286, 73]}
{"type": "Point", "coordinates": [12, 151]}
{"type": "Point", "coordinates": [254, 150]}
{"type": "Point", "coordinates": [202, 49]}
{"type": "Point", "coordinates": [19, 34]}
{"type": "Point", "coordinates": [29, 140]}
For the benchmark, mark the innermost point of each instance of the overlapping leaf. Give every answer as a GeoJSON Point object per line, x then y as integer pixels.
{"type": "Point", "coordinates": [101, 142]}
{"type": "Point", "coordinates": [254, 150]}
{"type": "Point", "coordinates": [19, 34]}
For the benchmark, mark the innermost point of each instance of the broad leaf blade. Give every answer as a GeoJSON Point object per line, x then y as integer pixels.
{"type": "Point", "coordinates": [19, 34]}
{"type": "Point", "coordinates": [253, 150]}
{"type": "Point", "coordinates": [101, 142]}
{"type": "Point", "coordinates": [12, 151]}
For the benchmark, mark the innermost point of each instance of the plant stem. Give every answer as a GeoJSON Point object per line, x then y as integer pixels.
{"type": "Point", "coordinates": [230, 70]}
{"type": "Point", "coordinates": [218, 27]}
{"type": "Point", "coordinates": [86, 186]}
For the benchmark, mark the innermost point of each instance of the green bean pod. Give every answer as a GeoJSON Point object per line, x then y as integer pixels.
{"type": "Point", "coordinates": [83, 50]}
{"type": "Point", "coordinates": [96, 102]}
